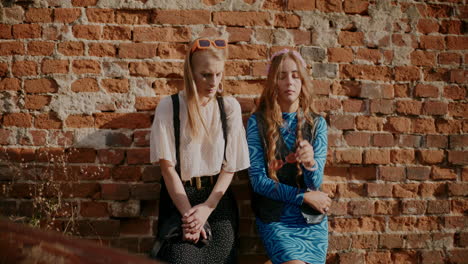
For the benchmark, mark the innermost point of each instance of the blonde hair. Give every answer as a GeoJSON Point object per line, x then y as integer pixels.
{"type": "Point", "coordinates": [195, 120]}
{"type": "Point", "coordinates": [270, 109]}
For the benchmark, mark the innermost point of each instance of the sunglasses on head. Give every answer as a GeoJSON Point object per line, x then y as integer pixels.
{"type": "Point", "coordinates": [206, 43]}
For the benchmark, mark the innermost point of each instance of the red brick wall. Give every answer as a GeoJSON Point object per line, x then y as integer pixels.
{"type": "Point", "coordinates": [389, 75]}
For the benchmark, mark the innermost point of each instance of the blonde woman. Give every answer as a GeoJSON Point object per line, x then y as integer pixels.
{"type": "Point", "coordinates": [288, 149]}
{"type": "Point", "coordinates": [198, 139]}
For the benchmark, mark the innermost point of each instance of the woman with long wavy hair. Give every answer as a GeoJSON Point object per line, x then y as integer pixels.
{"type": "Point", "coordinates": [198, 139]}
{"type": "Point", "coordinates": [288, 149]}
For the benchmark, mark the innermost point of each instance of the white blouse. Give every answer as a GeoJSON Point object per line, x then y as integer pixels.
{"type": "Point", "coordinates": [205, 156]}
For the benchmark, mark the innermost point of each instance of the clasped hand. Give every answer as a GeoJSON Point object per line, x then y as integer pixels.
{"type": "Point", "coordinates": [305, 154]}
{"type": "Point", "coordinates": [193, 221]}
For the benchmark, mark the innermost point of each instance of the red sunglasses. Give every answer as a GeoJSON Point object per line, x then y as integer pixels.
{"type": "Point", "coordinates": [206, 43]}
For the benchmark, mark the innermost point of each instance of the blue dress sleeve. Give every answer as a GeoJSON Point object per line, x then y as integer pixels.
{"type": "Point", "coordinates": [314, 179]}
{"type": "Point", "coordinates": [261, 183]}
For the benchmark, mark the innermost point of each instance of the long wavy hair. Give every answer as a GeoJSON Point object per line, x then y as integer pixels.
{"type": "Point", "coordinates": [195, 120]}
{"type": "Point", "coordinates": [269, 108]}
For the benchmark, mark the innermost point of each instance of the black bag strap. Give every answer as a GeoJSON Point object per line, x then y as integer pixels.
{"type": "Point", "coordinates": [176, 124]}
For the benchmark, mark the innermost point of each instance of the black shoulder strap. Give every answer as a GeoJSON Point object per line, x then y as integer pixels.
{"type": "Point", "coordinates": [223, 121]}
{"type": "Point", "coordinates": [176, 123]}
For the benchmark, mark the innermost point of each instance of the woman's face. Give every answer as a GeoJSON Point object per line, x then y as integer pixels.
{"type": "Point", "coordinates": [289, 84]}
{"type": "Point", "coordinates": [207, 73]}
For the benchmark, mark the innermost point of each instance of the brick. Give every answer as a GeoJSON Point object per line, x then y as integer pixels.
{"type": "Point", "coordinates": [247, 51]}
{"type": "Point", "coordinates": [457, 141]}
{"type": "Point", "coordinates": [433, 190]}
{"type": "Point", "coordinates": [325, 70]}
{"type": "Point", "coordinates": [66, 15]}
{"type": "Point", "coordinates": [449, 58]}
{"type": "Point", "coordinates": [438, 207]}
{"type": "Point", "coordinates": [347, 88]}
{"type": "Point", "coordinates": [71, 48]}
{"type": "Point", "coordinates": [409, 107]}
{"type": "Point", "coordinates": [381, 106]}
{"type": "Point", "coordinates": [372, 55]}
{"type": "Point", "coordinates": [423, 58]}
{"type": "Point", "coordinates": [169, 34]}
{"type": "Point", "coordinates": [115, 85]}
{"type": "Point", "coordinates": [137, 50]}
{"type": "Point", "coordinates": [407, 73]}
{"type": "Point", "coordinates": [398, 124]}
{"type": "Point", "coordinates": [347, 38]}
{"type": "Point", "coordinates": [54, 66]}
{"type": "Point", "coordinates": [47, 121]}
{"type": "Point", "coordinates": [436, 74]}
{"type": "Point", "coordinates": [422, 90]}
{"type": "Point", "coordinates": [349, 156]}
{"type": "Point", "coordinates": [93, 209]}
{"type": "Point", "coordinates": [85, 85]}
{"type": "Point", "coordinates": [370, 90]}
{"type": "Point", "coordinates": [431, 156]}
{"type": "Point", "coordinates": [363, 173]}
{"type": "Point", "coordinates": [11, 84]}
{"type": "Point", "coordinates": [458, 109]}
{"type": "Point", "coordinates": [126, 173]}
{"type": "Point", "coordinates": [377, 156]}
{"type": "Point", "coordinates": [182, 17]}
{"type": "Point", "coordinates": [423, 125]}
{"type": "Point", "coordinates": [102, 50]}
{"type": "Point", "coordinates": [82, 155]}
{"type": "Point", "coordinates": [379, 189]}
{"type": "Point", "coordinates": [145, 191]}
{"type": "Point", "coordinates": [404, 40]}
{"type": "Point", "coordinates": [79, 121]}
{"type": "Point", "coordinates": [354, 138]}
{"type": "Point", "coordinates": [329, 5]}
{"type": "Point", "coordinates": [117, 33]}
{"type": "Point", "coordinates": [243, 87]}
{"type": "Point", "coordinates": [301, 37]}
{"type": "Point", "coordinates": [237, 34]}
{"type": "Point", "coordinates": [156, 69]}
{"type": "Point", "coordinates": [409, 190]}
{"type": "Point", "coordinates": [369, 123]}
{"type": "Point", "coordinates": [17, 120]}
{"type": "Point", "coordinates": [122, 120]}
{"type": "Point", "coordinates": [351, 190]}
{"type": "Point", "coordinates": [435, 108]}
{"type": "Point", "coordinates": [287, 21]}
{"type": "Point", "coordinates": [84, 3]}
{"type": "Point", "coordinates": [146, 103]}
{"type": "Point", "coordinates": [5, 31]}
{"type": "Point", "coordinates": [40, 48]}
{"type": "Point", "coordinates": [134, 17]}
{"type": "Point", "coordinates": [365, 241]}
{"type": "Point", "coordinates": [453, 42]}
{"type": "Point", "coordinates": [427, 25]}
{"type": "Point", "coordinates": [111, 156]}
{"type": "Point", "coordinates": [451, 27]}
{"type": "Point", "coordinates": [418, 240]}
{"type": "Point", "coordinates": [448, 126]}
{"type": "Point", "coordinates": [127, 209]}
{"type": "Point", "coordinates": [36, 102]}
{"type": "Point", "coordinates": [458, 157]}
{"type": "Point", "coordinates": [3, 69]}
{"type": "Point", "coordinates": [11, 48]}
{"type": "Point", "coordinates": [432, 42]}
{"type": "Point", "coordinates": [234, 18]}
{"type": "Point", "coordinates": [135, 226]}
{"type": "Point", "coordinates": [383, 140]}
{"type": "Point", "coordinates": [26, 31]}
{"type": "Point", "coordinates": [38, 15]}
{"type": "Point", "coordinates": [138, 156]}
{"type": "Point", "coordinates": [457, 189]}
{"type": "Point", "coordinates": [401, 90]}
{"type": "Point", "coordinates": [141, 138]}
{"type": "Point", "coordinates": [413, 207]}
{"type": "Point", "coordinates": [436, 141]}
{"type": "Point", "coordinates": [432, 257]}
{"type": "Point", "coordinates": [91, 32]}
{"type": "Point", "coordinates": [340, 55]}
{"type": "Point", "coordinates": [391, 241]}
{"type": "Point", "coordinates": [117, 139]}
{"type": "Point", "coordinates": [365, 72]}
{"type": "Point", "coordinates": [100, 228]}
{"type": "Point", "coordinates": [342, 122]}
{"type": "Point", "coordinates": [24, 68]}
{"type": "Point", "coordinates": [100, 15]}
{"type": "Point", "coordinates": [402, 156]}
{"type": "Point", "coordinates": [395, 174]}
{"type": "Point", "coordinates": [171, 50]}
{"type": "Point", "coordinates": [356, 7]}
{"type": "Point", "coordinates": [300, 5]}
{"type": "Point", "coordinates": [86, 66]}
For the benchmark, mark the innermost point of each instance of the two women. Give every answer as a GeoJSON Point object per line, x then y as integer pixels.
{"type": "Point", "coordinates": [198, 139]}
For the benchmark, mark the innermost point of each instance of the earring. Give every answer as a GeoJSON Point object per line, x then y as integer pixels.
{"type": "Point", "coordinates": [220, 88]}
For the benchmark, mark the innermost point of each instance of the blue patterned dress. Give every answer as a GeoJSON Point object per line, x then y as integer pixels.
{"type": "Point", "coordinates": [291, 238]}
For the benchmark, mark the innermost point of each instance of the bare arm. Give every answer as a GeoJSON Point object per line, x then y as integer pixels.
{"type": "Point", "coordinates": [174, 187]}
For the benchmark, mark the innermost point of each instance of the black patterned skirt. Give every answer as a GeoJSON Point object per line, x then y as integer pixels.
{"type": "Point", "coordinates": [224, 226]}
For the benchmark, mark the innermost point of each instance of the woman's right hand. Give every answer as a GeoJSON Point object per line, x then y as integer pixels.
{"type": "Point", "coordinates": [318, 200]}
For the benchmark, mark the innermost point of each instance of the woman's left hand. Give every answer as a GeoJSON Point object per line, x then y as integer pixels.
{"type": "Point", "coordinates": [305, 154]}
{"type": "Point", "coordinates": [195, 218]}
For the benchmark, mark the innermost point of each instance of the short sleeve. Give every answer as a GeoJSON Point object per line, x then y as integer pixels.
{"type": "Point", "coordinates": [162, 143]}
{"type": "Point", "coordinates": [237, 152]}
